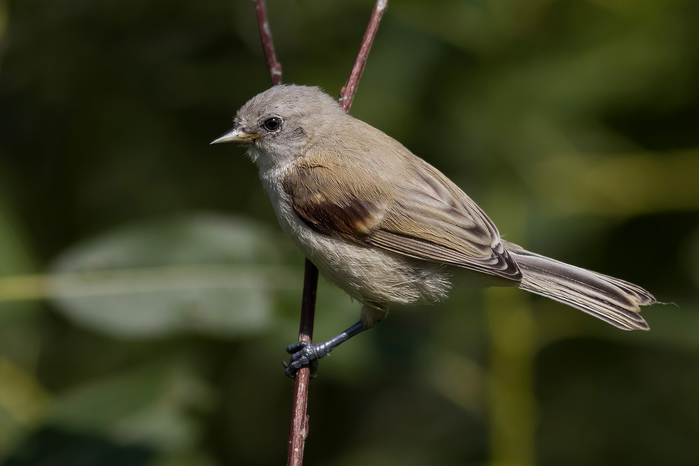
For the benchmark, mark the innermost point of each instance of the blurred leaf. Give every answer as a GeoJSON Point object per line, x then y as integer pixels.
{"type": "Point", "coordinates": [151, 404]}
{"type": "Point", "coordinates": [189, 273]}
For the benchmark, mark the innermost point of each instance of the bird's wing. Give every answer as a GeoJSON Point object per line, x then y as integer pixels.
{"type": "Point", "coordinates": [426, 216]}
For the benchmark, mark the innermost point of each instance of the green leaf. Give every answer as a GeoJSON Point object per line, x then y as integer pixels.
{"type": "Point", "coordinates": [202, 273]}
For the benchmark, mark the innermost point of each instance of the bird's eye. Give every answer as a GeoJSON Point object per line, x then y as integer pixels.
{"type": "Point", "coordinates": [272, 124]}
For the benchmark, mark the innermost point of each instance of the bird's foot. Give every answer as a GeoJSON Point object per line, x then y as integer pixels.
{"type": "Point", "coordinates": [304, 354]}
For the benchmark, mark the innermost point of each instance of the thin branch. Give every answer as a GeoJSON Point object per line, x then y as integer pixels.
{"type": "Point", "coordinates": [299, 418]}
{"type": "Point", "coordinates": [275, 68]}
{"type": "Point", "coordinates": [299, 421]}
{"type": "Point", "coordinates": [348, 91]}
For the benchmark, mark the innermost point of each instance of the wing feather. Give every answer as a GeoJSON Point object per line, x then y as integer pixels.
{"type": "Point", "coordinates": [425, 216]}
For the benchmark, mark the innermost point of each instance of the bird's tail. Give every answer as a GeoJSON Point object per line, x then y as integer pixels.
{"type": "Point", "coordinates": [614, 301]}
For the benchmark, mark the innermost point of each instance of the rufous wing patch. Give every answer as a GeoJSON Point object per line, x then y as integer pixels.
{"type": "Point", "coordinates": [329, 208]}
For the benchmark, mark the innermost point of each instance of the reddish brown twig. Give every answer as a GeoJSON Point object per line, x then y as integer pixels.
{"type": "Point", "coordinates": [299, 420]}
{"type": "Point", "coordinates": [275, 68]}
{"type": "Point", "coordinates": [348, 91]}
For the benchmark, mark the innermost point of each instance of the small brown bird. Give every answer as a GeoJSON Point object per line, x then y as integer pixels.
{"type": "Point", "coordinates": [384, 225]}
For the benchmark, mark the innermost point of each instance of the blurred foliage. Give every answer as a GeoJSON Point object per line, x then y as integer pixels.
{"type": "Point", "coordinates": [146, 293]}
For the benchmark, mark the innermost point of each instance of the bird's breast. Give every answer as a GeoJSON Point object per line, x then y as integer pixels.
{"type": "Point", "coordinates": [368, 274]}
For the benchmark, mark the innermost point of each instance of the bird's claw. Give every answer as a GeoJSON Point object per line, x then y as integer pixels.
{"type": "Point", "coordinates": [304, 354]}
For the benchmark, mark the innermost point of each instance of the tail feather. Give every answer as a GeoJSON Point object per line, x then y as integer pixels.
{"type": "Point", "coordinates": [612, 300]}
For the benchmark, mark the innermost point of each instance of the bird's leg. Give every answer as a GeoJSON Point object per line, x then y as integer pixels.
{"type": "Point", "coordinates": [307, 354]}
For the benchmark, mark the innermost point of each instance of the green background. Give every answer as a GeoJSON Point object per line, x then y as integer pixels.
{"type": "Point", "coordinates": [147, 293]}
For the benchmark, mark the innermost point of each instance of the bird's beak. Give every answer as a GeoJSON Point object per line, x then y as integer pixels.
{"type": "Point", "coordinates": [237, 134]}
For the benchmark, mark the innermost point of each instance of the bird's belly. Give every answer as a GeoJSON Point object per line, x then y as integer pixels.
{"type": "Point", "coordinates": [373, 276]}
{"type": "Point", "coordinates": [368, 274]}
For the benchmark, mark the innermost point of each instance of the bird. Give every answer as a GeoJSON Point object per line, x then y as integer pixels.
{"type": "Point", "coordinates": [387, 227]}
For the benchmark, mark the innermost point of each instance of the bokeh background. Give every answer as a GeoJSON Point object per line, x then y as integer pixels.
{"type": "Point", "coordinates": [146, 292]}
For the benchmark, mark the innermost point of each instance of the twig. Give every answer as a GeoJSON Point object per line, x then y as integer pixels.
{"type": "Point", "coordinates": [348, 91]}
{"type": "Point", "coordinates": [275, 68]}
{"type": "Point", "coordinates": [299, 418]}
{"type": "Point", "coordinates": [299, 421]}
